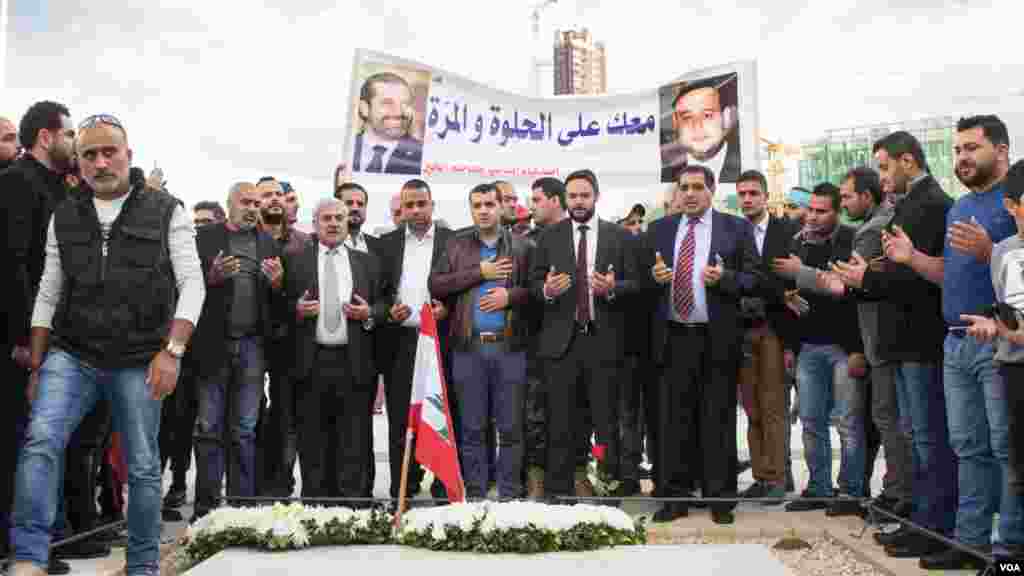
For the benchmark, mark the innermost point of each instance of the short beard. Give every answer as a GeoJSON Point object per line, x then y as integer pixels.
{"type": "Point", "coordinates": [273, 219]}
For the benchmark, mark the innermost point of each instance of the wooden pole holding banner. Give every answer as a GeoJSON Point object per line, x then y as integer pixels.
{"type": "Point", "coordinates": [404, 484]}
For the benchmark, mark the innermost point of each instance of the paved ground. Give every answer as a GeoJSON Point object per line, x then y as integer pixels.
{"type": "Point", "coordinates": [751, 519]}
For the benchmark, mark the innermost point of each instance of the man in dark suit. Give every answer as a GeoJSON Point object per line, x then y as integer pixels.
{"type": "Point", "coordinates": [585, 272]}
{"type": "Point", "coordinates": [696, 337]}
{"type": "Point", "coordinates": [407, 256]}
{"type": "Point", "coordinates": [243, 273]}
{"type": "Point", "coordinates": [766, 323]}
{"type": "Point", "coordinates": [337, 299]}
{"type": "Point", "coordinates": [386, 143]}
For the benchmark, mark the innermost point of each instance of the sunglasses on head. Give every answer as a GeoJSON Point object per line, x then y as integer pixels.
{"type": "Point", "coordinates": [97, 119]}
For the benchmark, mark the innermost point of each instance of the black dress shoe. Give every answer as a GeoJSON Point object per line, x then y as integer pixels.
{"type": "Point", "coordinates": [756, 490]}
{"type": "Point", "coordinates": [175, 497]}
{"type": "Point", "coordinates": [722, 516]}
{"type": "Point", "coordinates": [914, 546]}
{"type": "Point", "coordinates": [845, 507]}
{"type": "Point", "coordinates": [670, 511]}
{"type": "Point", "coordinates": [950, 559]}
{"type": "Point", "coordinates": [58, 567]}
{"type": "Point", "coordinates": [82, 550]}
{"type": "Point", "coordinates": [805, 506]}
{"type": "Point", "coordinates": [889, 538]}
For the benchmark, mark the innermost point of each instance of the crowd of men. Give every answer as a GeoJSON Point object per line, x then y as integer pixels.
{"type": "Point", "coordinates": [139, 336]}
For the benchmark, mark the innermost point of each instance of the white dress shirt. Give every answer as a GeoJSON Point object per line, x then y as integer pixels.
{"type": "Point", "coordinates": [344, 270]}
{"type": "Point", "coordinates": [369, 141]}
{"type": "Point", "coordinates": [593, 224]}
{"type": "Point", "coordinates": [181, 242]}
{"type": "Point", "coordinates": [760, 231]}
{"type": "Point", "coordinates": [413, 288]}
{"type": "Point", "coordinates": [701, 254]}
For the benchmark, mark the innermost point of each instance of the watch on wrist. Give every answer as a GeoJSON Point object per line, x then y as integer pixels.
{"type": "Point", "coordinates": [368, 324]}
{"type": "Point", "coordinates": [175, 349]}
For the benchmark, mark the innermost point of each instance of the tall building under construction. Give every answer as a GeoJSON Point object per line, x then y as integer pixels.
{"type": "Point", "coordinates": [580, 64]}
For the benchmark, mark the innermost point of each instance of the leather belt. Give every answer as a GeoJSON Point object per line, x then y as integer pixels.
{"type": "Point", "coordinates": [688, 326]}
{"type": "Point", "coordinates": [490, 337]}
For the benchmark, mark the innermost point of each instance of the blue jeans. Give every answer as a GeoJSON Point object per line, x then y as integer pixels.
{"type": "Point", "coordinates": [920, 398]}
{"type": "Point", "coordinates": [229, 397]}
{"type": "Point", "coordinates": [68, 390]}
{"type": "Point", "coordinates": [491, 383]}
{"type": "Point", "coordinates": [976, 406]}
{"type": "Point", "coordinates": [824, 384]}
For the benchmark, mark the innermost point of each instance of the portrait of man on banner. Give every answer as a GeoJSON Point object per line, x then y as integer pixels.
{"type": "Point", "coordinates": [389, 114]}
{"type": "Point", "coordinates": [700, 125]}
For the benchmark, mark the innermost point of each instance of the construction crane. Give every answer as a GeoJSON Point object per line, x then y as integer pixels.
{"type": "Point", "coordinates": [778, 153]}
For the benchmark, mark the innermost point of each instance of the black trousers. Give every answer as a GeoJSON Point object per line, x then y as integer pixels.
{"type": "Point", "coordinates": [336, 419]}
{"type": "Point", "coordinates": [177, 420]}
{"type": "Point", "coordinates": [1013, 374]}
{"type": "Point", "coordinates": [401, 345]}
{"type": "Point", "coordinates": [697, 416]}
{"type": "Point", "coordinates": [279, 438]}
{"type": "Point", "coordinates": [587, 373]}
{"type": "Point", "coordinates": [14, 417]}
{"type": "Point", "coordinates": [83, 456]}
{"type": "Point", "coordinates": [630, 418]}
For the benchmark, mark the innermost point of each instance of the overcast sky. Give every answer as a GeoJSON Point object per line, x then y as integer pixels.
{"type": "Point", "coordinates": [216, 92]}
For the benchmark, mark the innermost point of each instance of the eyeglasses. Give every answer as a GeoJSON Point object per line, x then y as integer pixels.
{"type": "Point", "coordinates": [97, 119]}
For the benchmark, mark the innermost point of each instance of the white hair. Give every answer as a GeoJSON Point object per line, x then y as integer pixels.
{"type": "Point", "coordinates": [325, 203]}
{"type": "Point", "coordinates": [235, 189]}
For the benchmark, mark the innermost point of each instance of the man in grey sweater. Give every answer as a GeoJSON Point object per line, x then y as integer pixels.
{"type": "Point", "coordinates": [862, 199]}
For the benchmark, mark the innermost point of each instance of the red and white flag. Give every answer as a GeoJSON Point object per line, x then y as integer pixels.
{"type": "Point", "coordinates": [429, 414]}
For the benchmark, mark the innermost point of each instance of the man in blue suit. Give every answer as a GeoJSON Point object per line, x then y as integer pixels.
{"type": "Point", "coordinates": [696, 342]}
{"type": "Point", "coordinates": [385, 143]}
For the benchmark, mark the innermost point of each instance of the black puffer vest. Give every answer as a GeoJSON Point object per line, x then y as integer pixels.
{"type": "Point", "coordinates": [115, 309]}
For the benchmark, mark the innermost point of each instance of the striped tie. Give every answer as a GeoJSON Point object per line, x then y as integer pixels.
{"type": "Point", "coordinates": [682, 282]}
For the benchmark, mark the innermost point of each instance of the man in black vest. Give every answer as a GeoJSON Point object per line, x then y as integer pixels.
{"type": "Point", "coordinates": [243, 272]}
{"type": "Point", "coordinates": [115, 258]}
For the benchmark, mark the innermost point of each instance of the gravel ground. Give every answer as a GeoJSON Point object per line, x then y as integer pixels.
{"type": "Point", "coordinates": [826, 557]}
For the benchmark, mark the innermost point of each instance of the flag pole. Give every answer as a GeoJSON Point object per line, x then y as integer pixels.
{"type": "Point", "coordinates": [404, 485]}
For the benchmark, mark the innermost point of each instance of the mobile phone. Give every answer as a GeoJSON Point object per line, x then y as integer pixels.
{"type": "Point", "coordinates": [1006, 313]}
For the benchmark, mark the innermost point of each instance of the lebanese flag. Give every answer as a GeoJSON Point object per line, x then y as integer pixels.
{"type": "Point", "coordinates": [429, 414]}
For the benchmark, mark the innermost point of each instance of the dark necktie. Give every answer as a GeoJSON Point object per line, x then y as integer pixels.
{"type": "Point", "coordinates": [377, 162]}
{"type": "Point", "coordinates": [582, 279]}
{"type": "Point", "coordinates": [682, 293]}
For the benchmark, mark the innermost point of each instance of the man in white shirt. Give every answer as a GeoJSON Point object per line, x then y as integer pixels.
{"type": "Point", "coordinates": [407, 255]}
{"type": "Point", "coordinates": [332, 288]}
